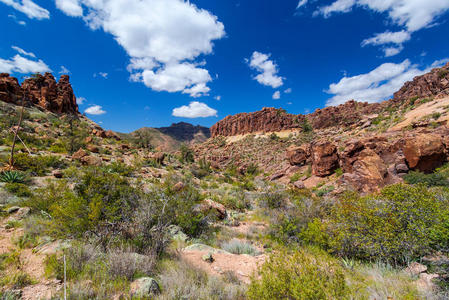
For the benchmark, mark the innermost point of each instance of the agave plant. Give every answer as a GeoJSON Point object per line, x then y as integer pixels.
{"type": "Point", "coordinates": [12, 177]}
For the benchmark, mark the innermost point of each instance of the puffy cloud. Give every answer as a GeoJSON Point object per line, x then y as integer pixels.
{"type": "Point", "coordinates": [20, 22]}
{"type": "Point", "coordinates": [80, 100]}
{"type": "Point", "coordinates": [20, 64]}
{"type": "Point", "coordinates": [71, 8]}
{"type": "Point", "coordinates": [394, 39]}
{"type": "Point", "coordinates": [194, 110]}
{"type": "Point", "coordinates": [377, 85]}
{"type": "Point", "coordinates": [218, 98]}
{"type": "Point", "coordinates": [21, 51]}
{"type": "Point", "coordinates": [277, 95]}
{"type": "Point", "coordinates": [301, 3]}
{"type": "Point", "coordinates": [288, 91]}
{"type": "Point", "coordinates": [267, 68]}
{"type": "Point", "coordinates": [95, 110]}
{"type": "Point", "coordinates": [29, 8]}
{"type": "Point", "coordinates": [413, 14]}
{"type": "Point", "coordinates": [159, 36]}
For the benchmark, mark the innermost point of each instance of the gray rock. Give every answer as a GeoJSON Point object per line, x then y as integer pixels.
{"type": "Point", "coordinates": [299, 185]}
{"type": "Point", "coordinates": [176, 233]}
{"type": "Point", "coordinates": [12, 209]}
{"type": "Point", "coordinates": [402, 168]}
{"type": "Point", "coordinates": [144, 286]}
{"type": "Point", "coordinates": [202, 247]}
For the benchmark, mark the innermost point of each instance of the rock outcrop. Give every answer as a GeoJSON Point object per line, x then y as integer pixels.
{"type": "Point", "coordinates": [433, 84]}
{"type": "Point", "coordinates": [324, 158]}
{"type": "Point", "coordinates": [40, 90]}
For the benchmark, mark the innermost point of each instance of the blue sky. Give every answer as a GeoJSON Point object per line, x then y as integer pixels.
{"type": "Point", "coordinates": [136, 63]}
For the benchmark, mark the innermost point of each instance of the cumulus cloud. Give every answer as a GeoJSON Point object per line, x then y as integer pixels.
{"type": "Point", "coordinates": [413, 15]}
{"type": "Point", "coordinates": [377, 85]}
{"type": "Point", "coordinates": [20, 64]}
{"type": "Point", "coordinates": [268, 70]}
{"type": "Point", "coordinates": [64, 70]}
{"type": "Point", "coordinates": [218, 98]}
{"type": "Point", "coordinates": [95, 110]}
{"type": "Point", "coordinates": [20, 22]}
{"type": "Point", "coordinates": [301, 3]}
{"type": "Point", "coordinates": [71, 8]}
{"type": "Point", "coordinates": [21, 51]}
{"type": "Point", "coordinates": [288, 91]}
{"type": "Point", "coordinates": [160, 36]}
{"type": "Point", "coordinates": [194, 110]}
{"type": "Point", "coordinates": [29, 8]}
{"type": "Point", "coordinates": [277, 95]}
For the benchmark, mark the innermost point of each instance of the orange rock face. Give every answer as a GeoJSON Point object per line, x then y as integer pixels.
{"type": "Point", "coordinates": [425, 152]}
{"type": "Point", "coordinates": [42, 91]}
{"type": "Point", "coordinates": [324, 158]}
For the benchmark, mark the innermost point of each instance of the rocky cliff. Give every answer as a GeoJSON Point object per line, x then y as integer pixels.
{"type": "Point", "coordinates": [433, 84]}
{"type": "Point", "coordinates": [40, 90]}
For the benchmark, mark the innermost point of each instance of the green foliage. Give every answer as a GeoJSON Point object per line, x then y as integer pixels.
{"type": "Point", "coordinates": [12, 177]}
{"type": "Point", "coordinates": [187, 155]}
{"type": "Point", "coordinates": [401, 223]}
{"type": "Point", "coordinates": [37, 165]}
{"type": "Point", "coordinates": [203, 169]}
{"type": "Point", "coordinates": [252, 169]}
{"type": "Point", "coordinates": [118, 168]}
{"type": "Point", "coordinates": [239, 247]}
{"type": "Point", "coordinates": [306, 126]}
{"type": "Point", "coordinates": [443, 73]}
{"type": "Point", "coordinates": [303, 274]}
{"type": "Point", "coordinates": [439, 178]}
{"type": "Point", "coordinates": [18, 189]}
{"type": "Point", "coordinates": [74, 134]}
{"type": "Point", "coordinates": [274, 137]}
{"type": "Point", "coordinates": [273, 199]}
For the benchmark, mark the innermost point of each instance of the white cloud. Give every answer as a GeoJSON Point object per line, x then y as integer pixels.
{"type": "Point", "coordinates": [64, 70]}
{"type": "Point", "coordinates": [302, 3]}
{"type": "Point", "coordinates": [388, 37]}
{"type": "Point", "coordinates": [20, 64]}
{"type": "Point", "coordinates": [218, 98]}
{"type": "Point", "coordinates": [392, 51]}
{"type": "Point", "coordinates": [288, 91]}
{"type": "Point", "coordinates": [71, 8]}
{"type": "Point", "coordinates": [267, 68]}
{"type": "Point", "coordinates": [277, 95]}
{"type": "Point", "coordinates": [29, 8]}
{"type": "Point", "coordinates": [194, 110]}
{"type": "Point", "coordinates": [80, 100]}
{"type": "Point", "coordinates": [377, 85]}
{"type": "Point", "coordinates": [101, 74]}
{"type": "Point", "coordinates": [412, 14]}
{"type": "Point", "coordinates": [21, 51]}
{"type": "Point", "coordinates": [20, 22]}
{"type": "Point", "coordinates": [95, 110]}
{"type": "Point", "coordinates": [159, 36]}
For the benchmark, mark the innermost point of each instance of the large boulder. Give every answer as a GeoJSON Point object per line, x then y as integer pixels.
{"type": "Point", "coordinates": [298, 155]}
{"type": "Point", "coordinates": [424, 152]}
{"type": "Point", "coordinates": [324, 158]}
{"type": "Point", "coordinates": [210, 206]}
{"type": "Point", "coordinates": [79, 154]}
{"type": "Point", "coordinates": [91, 160]}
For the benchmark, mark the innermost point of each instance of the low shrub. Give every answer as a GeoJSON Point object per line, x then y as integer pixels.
{"type": "Point", "coordinates": [12, 177]}
{"type": "Point", "coordinates": [37, 165]}
{"type": "Point", "coordinates": [18, 189]}
{"type": "Point", "coordinates": [438, 178]}
{"type": "Point", "coordinates": [236, 246]}
{"type": "Point", "coordinates": [302, 274]}
{"type": "Point", "coordinates": [399, 224]}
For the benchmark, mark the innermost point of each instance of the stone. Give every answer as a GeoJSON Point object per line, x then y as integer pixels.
{"type": "Point", "coordinates": [57, 173]}
{"type": "Point", "coordinates": [22, 213]}
{"type": "Point", "coordinates": [277, 176]}
{"type": "Point", "coordinates": [93, 148]}
{"type": "Point", "coordinates": [12, 209]}
{"type": "Point", "coordinates": [208, 258]}
{"type": "Point", "coordinates": [91, 160]}
{"type": "Point", "coordinates": [324, 158]}
{"type": "Point", "coordinates": [112, 135]}
{"type": "Point", "coordinates": [208, 206]}
{"type": "Point", "coordinates": [178, 186]}
{"type": "Point", "coordinates": [144, 287]}
{"type": "Point", "coordinates": [415, 268]}
{"type": "Point", "coordinates": [298, 155]}
{"type": "Point", "coordinates": [401, 168]}
{"type": "Point", "coordinates": [424, 152]}
{"type": "Point", "coordinates": [176, 233]}
{"type": "Point", "coordinates": [79, 154]}
{"type": "Point", "coordinates": [299, 184]}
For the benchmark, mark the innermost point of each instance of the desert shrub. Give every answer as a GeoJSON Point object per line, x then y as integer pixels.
{"type": "Point", "coordinates": [236, 246]}
{"type": "Point", "coordinates": [180, 280]}
{"type": "Point", "coordinates": [303, 274]}
{"type": "Point", "coordinates": [124, 263]}
{"type": "Point", "coordinates": [252, 169]}
{"type": "Point", "coordinates": [12, 177]}
{"type": "Point", "coordinates": [187, 155]}
{"type": "Point", "coordinates": [442, 73]}
{"type": "Point", "coordinates": [118, 168]}
{"type": "Point", "coordinates": [272, 199]}
{"type": "Point", "coordinates": [399, 224]}
{"type": "Point", "coordinates": [274, 137]}
{"type": "Point", "coordinates": [434, 179]}
{"type": "Point", "coordinates": [18, 189]}
{"type": "Point", "coordinates": [202, 170]}
{"type": "Point", "coordinates": [37, 165]}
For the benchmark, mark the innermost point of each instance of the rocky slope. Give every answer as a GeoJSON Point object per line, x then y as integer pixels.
{"type": "Point", "coordinates": [355, 145]}
{"type": "Point", "coordinates": [40, 90]}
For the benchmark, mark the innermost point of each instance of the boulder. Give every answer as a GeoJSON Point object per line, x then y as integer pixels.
{"type": "Point", "coordinates": [299, 184]}
{"type": "Point", "coordinates": [144, 287]}
{"type": "Point", "coordinates": [91, 160]}
{"type": "Point", "coordinates": [79, 154]}
{"type": "Point", "coordinates": [324, 158]}
{"type": "Point", "coordinates": [208, 206]}
{"type": "Point", "coordinates": [178, 186]}
{"type": "Point", "coordinates": [93, 148]}
{"type": "Point", "coordinates": [112, 135]}
{"type": "Point", "coordinates": [415, 268]}
{"type": "Point", "coordinates": [298, 155]}
{"type": "Point", "coordinates": [424, 152]}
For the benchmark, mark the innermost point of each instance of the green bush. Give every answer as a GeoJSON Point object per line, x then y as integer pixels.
{"type": "Point", "coordinates": [239, 247]}
{"type": "Point", "coordinates": [18, 189]}
{"type": "Point", "coordinates": [38, 165]}
{"type": "Point", "coordinates": [303, 274]}
{"type": "Point", "coordinates": [187, 155]}
{"type": "Point", "coordinates": [401, 223]}
{"type": "Point", "coordinates": [439, 178]}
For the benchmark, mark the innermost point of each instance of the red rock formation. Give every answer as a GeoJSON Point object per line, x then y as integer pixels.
{"type": "Point", "coordinates": [42, 91]}
{"type": "Point", "coordinates": [298, 155]}
{"type": "Point", "coordinates": [433, 84]}
{"type": "Point", "coordinates": [425, 152]}
{"type": "Point", "coordinates": [324, 158]}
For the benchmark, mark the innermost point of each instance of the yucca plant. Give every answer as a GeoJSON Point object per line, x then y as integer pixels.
{"type": "Point", "coordinates": [12, 177]}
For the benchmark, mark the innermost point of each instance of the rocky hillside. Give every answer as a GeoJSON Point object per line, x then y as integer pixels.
{"type": "Point", "coordinates": [40, 90]}
{"type": "Point", "coordinates": [355, 145]}
{"type": "Point", "coordinates": [433, 84]}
